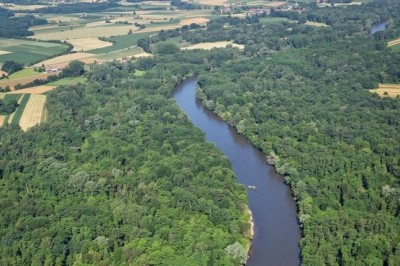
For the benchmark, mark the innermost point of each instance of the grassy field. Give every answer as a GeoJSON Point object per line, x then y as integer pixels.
{"type": "Point", "coordinates": [120, 53]}
{"type": "Point", "coordinates": [121, 42]}
{"type": "Point", "coordinates": [16, 116]}
{"type": "Point", "coordinates": [28, 52]}
{"type": "Point", "coordinates": [87, 44]}
{"type": "Point", "coordinates": [395, 48]}
{"type": "Point", "coordinates": [270, 20]}
{"type": "Point", "coordinates": [24, 73]}
{"type": "Point", "coordinates": [67, 81]}
{"type": "Point", "coordinates": [34, 111]}
{"type": "Point", "coordinates": [388, 90]}
{"type": "Point", "coordinates": [24, 80]}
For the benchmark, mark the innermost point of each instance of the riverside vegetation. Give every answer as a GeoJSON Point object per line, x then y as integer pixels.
{"type": "Point", "coordinates": [118, 174]}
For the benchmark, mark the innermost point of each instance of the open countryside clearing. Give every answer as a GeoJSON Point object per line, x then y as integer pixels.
{"type": "Point", "coordinates": [210, 45]}
{"type": "Point", "coordinates": [189, 21]}
{"type": "Point", "coordinates": [389, 90]}
{"type": "Point", "coordinates": [86, 44]}
{"type": "Point", "coordinates": [90, 32]}
{"type": "Point", "coordinates": [33, 90]}
{"type": "Point", "coordinates": [394, 42]}
{"type": "Point", "coordinates": [63, 60]}
{"type": "Point", "coordinates": [34, 112]}
{"type": "Point", "coordinates": [12, 83]}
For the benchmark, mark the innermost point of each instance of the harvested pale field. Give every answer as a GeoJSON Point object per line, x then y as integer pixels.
{"type": "Point", "coordinates": [394, 42]}
{"type": "Point", "coordinates": [3, 73]}
{"type": "Point", "coordinates": [194, 20]}
{"type": "Point", "coordinates": [2, 119]}
{"type": "Point", "coordinates": [210, 45]}
{"type": "Point", "coordinates": [144, 54]}
{"type": "Point", "coordinates": [388, 90]}
{"type": "Point", "coordinates": [62, 19]}
{"type": "Point", "coordinates": [316, 24]}
{"type": "Point", "coordinates": [266, 4]}
{"type": "Point", "coordinates": [87, 32]}
{"type": "Point", "coordinates": [210, 2]}
{"type": "Point", "coordinates": [88, 44]}
{"type": "Point", "coordinates": [25, 7]}
{"type": "Point", "coordinates": [4, 52]}
{"type": "Point", "coordinates": [61, 60]}
{"type": "Point", "coordinates": [23, 81]}
{"type": "Point", "coordinates": [33, 90]}
{"type": "Point", "coordinates": [34, 111]}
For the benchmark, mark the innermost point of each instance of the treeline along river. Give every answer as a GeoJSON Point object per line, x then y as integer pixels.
{"type": "Point", "coordinates": [276, 230]}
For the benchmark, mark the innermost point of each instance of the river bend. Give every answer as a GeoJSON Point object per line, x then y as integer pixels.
{"type": "Point", "coordinates": [277, 233]}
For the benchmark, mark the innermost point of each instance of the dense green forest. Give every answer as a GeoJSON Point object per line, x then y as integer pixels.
{"type": "Point", "coordinates": [14, 27]}
{"type": "Point", "coordinates": [300, 96]}
{"type": "Point", "coordinates": [118, 174]}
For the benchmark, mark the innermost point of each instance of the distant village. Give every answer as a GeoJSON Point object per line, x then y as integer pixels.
{"type": "Point", "coordinates": [243, 8]}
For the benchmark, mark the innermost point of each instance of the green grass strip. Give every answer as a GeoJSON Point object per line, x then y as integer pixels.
{"type": "Point", "coordinates": [10, 97]}
{"type": "Point", "coordinates": [18, 113]}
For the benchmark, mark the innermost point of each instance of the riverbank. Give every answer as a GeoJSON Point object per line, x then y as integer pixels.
{"type": "Point", "coordinates": [272, 207]}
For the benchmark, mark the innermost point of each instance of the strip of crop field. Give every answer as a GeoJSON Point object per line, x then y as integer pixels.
{"type": "Point", "coordinates": [18, 113]}
{"type": "Point", "coordinates": [394, 42]}
{"type": "Point", "coordinates": [33, 112]}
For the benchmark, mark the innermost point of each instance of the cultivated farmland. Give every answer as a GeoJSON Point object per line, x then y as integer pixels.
{"type": "Point", "coordinates": [33, 90]}
{"type": "Point", "coordinates": [86, 44]}
{"type": "Point", "coordinates": [388, 90]}
{"type": "Point", "coordinates": [210, 45]}
{"type": "Point", "coordinates": [394, 42]}
{"type": "Point", "coordinates": [13, 82]}
{"type": "Point", "coordinates": [34, 112]}
{"type": "Point", "coordinates": [28, 52]}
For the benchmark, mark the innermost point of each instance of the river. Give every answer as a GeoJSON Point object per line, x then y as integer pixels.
{"type": "Point", "coordinates": [380, 26]}
{"type": "Point", "coordinates": [277, 233]}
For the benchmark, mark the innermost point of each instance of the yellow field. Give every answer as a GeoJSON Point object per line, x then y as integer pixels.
{"type": "Point", "coordinates": [389, 90]}
{"type": "Point", "coordinates": [210, 45]}
{"type": "Point", "coordinates": [34, 112]}
{"type": "Point", "coordinates": [144, 54]}
{"type": "Point", "coordinates": [62, 19]}
{"type": "Point", "coordinates": [33, 90]}
{"type": "Point", "coordinates": [86, 44]}
{"type": "Point", "coordinates": [23, 81]}
{"type": "Point", "coordinates": [394, 42]}
{"type": "Point", "coordinates": [4, 52]}
{"type": "Point", "coordinates": [65, 59]}
{"type": "Point", "coordinates": [2, 120]}
{"type": "Point", "coordinates": [316, 24]}
{"type": "Point", "coordinates": [189, 21]}
{"type": "Point", "coordinates": [25, 7]}
{"type": "Point", "coordinates": [87, 32]}
{"type": "Point", "coordinates": [266, 4]}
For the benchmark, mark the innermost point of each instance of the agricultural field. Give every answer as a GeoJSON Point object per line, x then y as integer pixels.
{"type": "Point", "coordinates": [316, 24]}
{"type": "Point", "coordinates": [28, 52]}
{"type": "Point", "coordinates": [394, 43]}
{"type": "Point", "coordinates": [210, 45]}
{"type": "Point", "coordinates": [62, 61]}
{"type": "Point", "coordinates": [121, 42]}
{"type": "Point", "coordinates": [388, 90]}
{"type": "Point", "coordinates": [23, 80]}
{"type": "Point", "coordinates": [33, 90]}
{"type": "Point", "coordinates": [67, 81]}
{"type": "Point", "coordinates": [87, 44]}
{"type": "Point", "coordinates": [34, 112]}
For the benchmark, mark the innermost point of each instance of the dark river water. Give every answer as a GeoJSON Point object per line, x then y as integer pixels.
{"type": "Point", "coordinates": [277, 233]}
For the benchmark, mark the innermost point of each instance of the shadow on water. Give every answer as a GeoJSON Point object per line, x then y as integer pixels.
{"type": "Point", "coordinates": [277, 232]}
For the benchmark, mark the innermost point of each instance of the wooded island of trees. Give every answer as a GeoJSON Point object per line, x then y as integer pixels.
{"type": "Point", "coordinates": [119, 175]}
